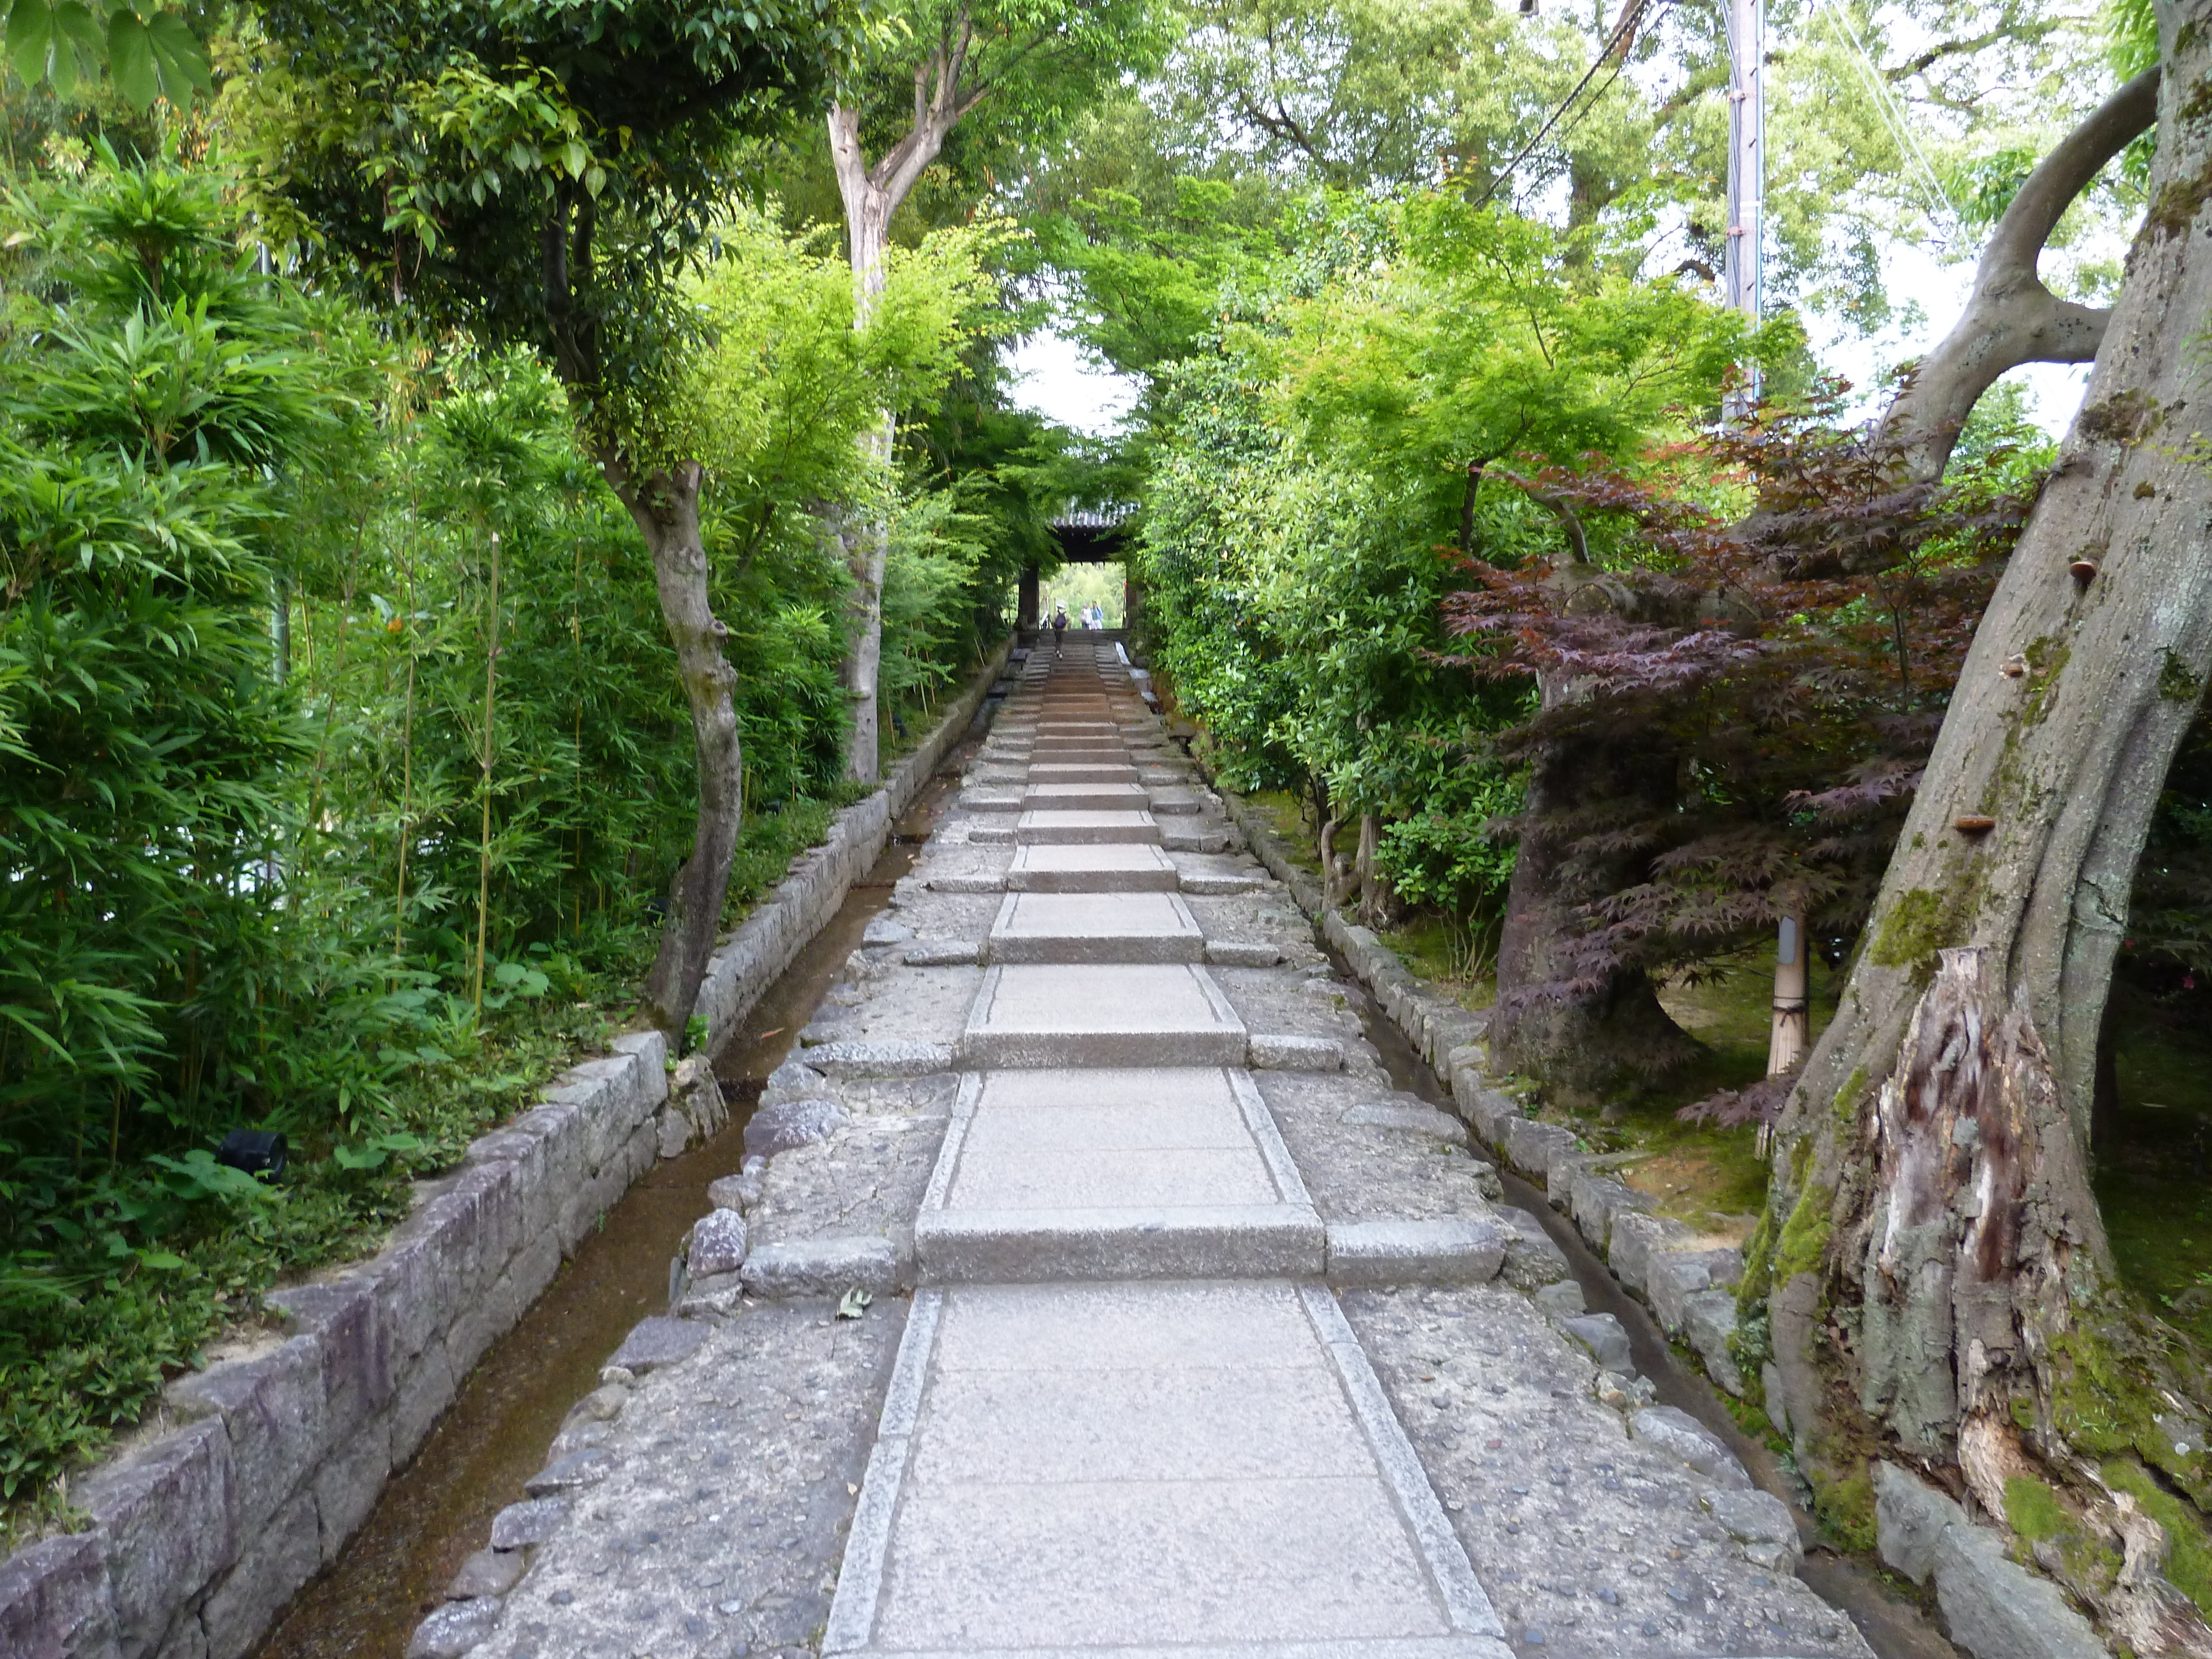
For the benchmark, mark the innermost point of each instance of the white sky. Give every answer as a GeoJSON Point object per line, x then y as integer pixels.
{"type": "Point", "coordinates": [1056, 377]}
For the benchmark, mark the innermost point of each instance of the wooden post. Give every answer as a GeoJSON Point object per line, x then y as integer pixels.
{"type": "Point", "coordinates": [1026, 608]}
{"type": "Point", "coordinates": [1792, 1032]}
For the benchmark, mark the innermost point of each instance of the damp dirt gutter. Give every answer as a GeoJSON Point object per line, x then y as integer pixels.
{"type": "Point", "coordinates": [437, 1512]}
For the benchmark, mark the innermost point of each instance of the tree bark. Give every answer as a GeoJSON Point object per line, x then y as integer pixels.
{"type": "Point", "coordinates": [1931, 1180]}
{"type": "Point", "coordinates": [871, 196]}
{"type": "Point", "coordinates": [665, 506]}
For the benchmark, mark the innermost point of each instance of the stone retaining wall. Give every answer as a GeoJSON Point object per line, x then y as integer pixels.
{"type": "Point", "coordinates": [252, 1475]}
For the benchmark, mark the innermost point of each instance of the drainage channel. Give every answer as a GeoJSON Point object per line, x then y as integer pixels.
{"type": "Point", "coordinates": [438, 1510]}
{"type": "Point", "coordinates": [1893, 1627]}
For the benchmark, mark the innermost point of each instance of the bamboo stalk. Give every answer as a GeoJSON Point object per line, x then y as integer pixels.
{"type": "Point", "coordinates": [483, 855]}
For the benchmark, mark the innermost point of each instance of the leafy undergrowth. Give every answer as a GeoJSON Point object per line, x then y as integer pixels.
{"type": "Point", "coordinates": [120, 1279]}
{"type": "Point", "coordinates": [2154, 1182]}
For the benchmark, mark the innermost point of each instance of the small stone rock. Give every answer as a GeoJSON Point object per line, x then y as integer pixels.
{"type": "Point", "coordinates": [603, 1405]}
{"type": "Point", "coordinates": [1603, 1335]}
{"type": "Point", "coordinates": [520, 1525]}
{"type": "Point", "coordinates": [738, 1192]}
{"type": "Point", "coordinates": [1763, 1523]}
{"type": "Point", "coordinates": [453, 1630]}
{"type": "Point", "coordinates": [1679, 1434]}
{"type": "Point", "coordinates": [1562, 1300]}
{"type": "Point", "coordinates": [882, 1058]}
{"type": "Point", "coordinates": [570, 1474]}
{"type": "Point", "coordinates": [717, 1243]}
{"type": "Point", "coordinates": [487, 1572]}
{"type": "Point", "coordinates": [1532, 1258]}
{"type": "Point", "coordinates": [884, 930]}
{"type": "Point", "coordinates": [659, 1341]}
{"type": "Point", "coordinates": [792, 1081]}
{"type": "Point", "coordinates": [617, 1377]}
{"type": "Point", "coordinates": [790, 1123]}
{"type": "Point", "coordinates": [821, 1266]}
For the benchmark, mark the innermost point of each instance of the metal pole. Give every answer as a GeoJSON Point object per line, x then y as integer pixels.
{"type": "Point", "coordinates": [1743, 264]}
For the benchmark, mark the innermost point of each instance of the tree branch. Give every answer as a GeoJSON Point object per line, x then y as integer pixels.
{"type": "Point", "coordinates": [2011, 317]}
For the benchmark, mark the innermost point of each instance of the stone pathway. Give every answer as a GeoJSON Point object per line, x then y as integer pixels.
{"type": "Point", "coordinates": [1215, 1346]}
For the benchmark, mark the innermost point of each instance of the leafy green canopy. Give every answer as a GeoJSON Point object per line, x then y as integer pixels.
{"type": "Point", "coordinates": [149, 52]}
{"type": "Point", "coordinates": [1317, 464]}
{"type": "Point", "coordinates": [539, 170]}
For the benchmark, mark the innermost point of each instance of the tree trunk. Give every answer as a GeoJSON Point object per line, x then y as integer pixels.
{"type": "Point", "coordinates": [1931, 1186]}
{"type": "Point", "coordinates": [871, 196]}
{"type": "Point", "coordinates": [665, 506]}
{"type": "Point", "coordinates": [1584, 1030]}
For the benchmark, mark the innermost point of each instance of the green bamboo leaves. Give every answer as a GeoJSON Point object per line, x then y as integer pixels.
{"type": "Point", "coordinates": [148, 53]}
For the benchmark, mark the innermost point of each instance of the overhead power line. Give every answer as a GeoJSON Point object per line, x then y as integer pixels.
{"type": "Point", "coordinates": [1620, 34]}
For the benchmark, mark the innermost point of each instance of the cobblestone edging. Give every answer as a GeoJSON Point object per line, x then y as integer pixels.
{"type": "Point", "coordinates": [1992, 1607]}
{"type": "Point", "coordinates": [253, 1474]}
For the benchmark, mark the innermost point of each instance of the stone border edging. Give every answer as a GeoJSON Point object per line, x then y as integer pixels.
{"type": "Point", "coordinates": [252, 1475]}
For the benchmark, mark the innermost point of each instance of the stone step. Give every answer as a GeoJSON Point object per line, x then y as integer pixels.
{"type": "Point", "coordinates": [1146, 1174]}
{"type": "Point", "coordinates": [1086, 797]}
{"type": "Point", "coordinates": [1082, 772]}
{"type": "Point", "coordinates": [1127, 867]}
{"type": "Point", "coordinates": [1070, 927]}
{"type": "Point", "coordinates": [1038, 828]}
{"type": "Point", "coordinates": [1195, 1468]}
{"type": "Point", "coordinates": [1102, 1014]}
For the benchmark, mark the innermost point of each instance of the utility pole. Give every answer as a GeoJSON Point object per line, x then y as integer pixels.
{"type": "Point", "coordinates": [1743, 265]}
{"type": "Point", "coordinates": [1744, 270]}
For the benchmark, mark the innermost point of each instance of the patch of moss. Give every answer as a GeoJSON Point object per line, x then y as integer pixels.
{"type": "Point", "coordinates": [2189, 1552]}
{"type": "Point", "coordinates": [2095, 1405]}
{"type": "Point", "coordinates": [2046, 660]}
{"type": "Point", "coordinates": [1758, 1267]}
{"type": "Point", "coordinates": [1845, 1506]}
{"type": "Point", "coordinates": [2176, 682]}
{"type": "Point", "coordinates": [2034, 1511]}
{"type": "Point", "coordinates": [1844, 1108]}
{"type": "Point", "coordinates": [1917, 927]}
{"type": "Point", "coordinates": [1804, 1241]}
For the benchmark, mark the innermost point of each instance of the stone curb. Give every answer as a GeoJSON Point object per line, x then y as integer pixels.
{"type": "Point", "coordinates": [256, 1472]}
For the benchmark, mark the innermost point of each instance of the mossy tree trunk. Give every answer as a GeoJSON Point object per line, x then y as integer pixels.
{"type": "Point", "coordinates": [1937, 1279]}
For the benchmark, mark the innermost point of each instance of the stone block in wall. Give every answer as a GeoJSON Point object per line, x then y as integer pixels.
{"type": "Point", "coordinates": [1672, 1277]}
{"type": "Point", "coordinates": [1708, 1325]}
{"type": "Point", "coordinates": [284, 1556]}
{"type": "Point", "coordinates": [1487, 1112]}
{"type": "Point", "coordinates": [1634, 1238]}
{"type": "Point", "coordinates": [533, 1268]}
{"type": "Point", "coordinates": [346, 1316]}
{"type": "Point", "coordinates": [560, 1131]}
{"type": "Point", "coordinates": [1530, 1146]}
{"type": "Point", "coordinates": [1596, 1200]}
{"type": "Point", "coordinates": [168, 1520]}
{"type": "Point", "coordinates": [424, 1392]}
{"type": "Point", "coordinates": [271, 1408]}
{"type": "Point", "coordinates": [54, 1600]}
{"type": "Point", "coordinates": [480, 1321]}
{"type": "Point", "coordinates": [347, 1484]}
{"type": "Point", "coordinates": [1992, 1607]}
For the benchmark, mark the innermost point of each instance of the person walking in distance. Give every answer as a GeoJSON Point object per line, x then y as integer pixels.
{"type": "Point", "coordinates": [1059, 625]}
